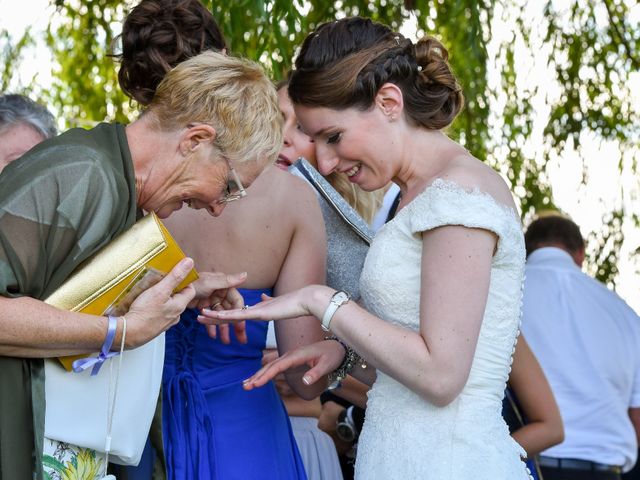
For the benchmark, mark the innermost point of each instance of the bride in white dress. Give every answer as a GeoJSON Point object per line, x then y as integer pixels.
{"type": "Point", "coordinates": [441, 286]}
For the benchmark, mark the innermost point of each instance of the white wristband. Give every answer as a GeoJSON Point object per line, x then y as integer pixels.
{"type": "Point", "coordinates": [337, 300]}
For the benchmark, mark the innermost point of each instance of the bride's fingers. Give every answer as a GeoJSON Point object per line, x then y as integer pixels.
{"type": "Point", "coordinates": [268, 372]}
{"type": "Point", "coordinates": [262, 376]}
{"type": "Point", "coordinates": [317, 372]}
{"type": "Point", "coordinates": [253, 381]}
{"type": "Point", "coordinates": [211, 317]}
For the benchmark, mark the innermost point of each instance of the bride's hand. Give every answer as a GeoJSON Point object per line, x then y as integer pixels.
{"type": "Point", "coordinates": [321, 358]}
{"type": "Point", "coordinates": [311, 300]}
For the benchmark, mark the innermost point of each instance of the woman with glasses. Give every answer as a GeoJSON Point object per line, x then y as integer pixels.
{"type": "Point", "coordinates": [71, 195]}
{"type": "Point", "coordinates": [212, 427]}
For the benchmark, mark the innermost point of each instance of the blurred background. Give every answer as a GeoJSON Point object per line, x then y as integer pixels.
{"type": "Point", "coordinates": [552, 89]}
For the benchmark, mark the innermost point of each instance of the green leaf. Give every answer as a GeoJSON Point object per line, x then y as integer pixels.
{"type": "Point", "coordinates": [50, 462]}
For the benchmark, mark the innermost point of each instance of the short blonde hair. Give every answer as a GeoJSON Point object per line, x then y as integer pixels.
{"type": "Point", "coordinates": [231, 94]}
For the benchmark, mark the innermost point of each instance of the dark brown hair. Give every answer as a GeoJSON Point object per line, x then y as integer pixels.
{"type": "Point", "coordinates": [552, 229]}
{"type": "Point", "coordinates": [159, 34]}
{"type": "Point", "coordinates": [343, 64]}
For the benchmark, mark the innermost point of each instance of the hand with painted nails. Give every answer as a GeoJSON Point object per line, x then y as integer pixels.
{"type": "Point", "coordinates": [280, 380]}
{"type": "Point", "coordinates": [215, 291]}
{"type": "Point", "coordinates": [319, 359]}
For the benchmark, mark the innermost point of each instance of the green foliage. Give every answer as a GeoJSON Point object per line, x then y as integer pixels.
{"type": "Point", "coordinates": [604, 248]}
{"type": "Point", "coordinates": [523, 170]}
{"type": "Point", "coordinates": [595, 50]}
{"type": "Point", "coordinates": [593, 69]}
{"type": "Point", "coordinates": [86, 85]}
{"type": "Point", "coordinates": [592, 51]}
{"type": "Point", "coordinates": [11, 55]}
{"type": "Point", "coordinates": [468, 57]}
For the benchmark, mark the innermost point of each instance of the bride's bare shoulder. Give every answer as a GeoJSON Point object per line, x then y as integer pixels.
{"type": "Point", "coordinates": [471, 174]}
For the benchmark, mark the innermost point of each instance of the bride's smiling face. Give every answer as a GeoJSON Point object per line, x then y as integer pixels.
{"type": "Point", "coordinates": [359, 144]}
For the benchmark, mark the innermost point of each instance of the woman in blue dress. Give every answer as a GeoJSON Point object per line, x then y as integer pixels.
{"type": "Point", "coordinates": [212, 427]}
{"type": "Point", "coordinates": [210, 423]}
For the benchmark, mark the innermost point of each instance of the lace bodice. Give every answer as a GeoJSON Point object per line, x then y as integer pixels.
{"type": "Point", "coordinates": [404, 435]}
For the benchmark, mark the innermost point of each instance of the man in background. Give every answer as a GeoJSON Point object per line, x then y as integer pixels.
{"type": "Point", "coordinates": [587, 340]}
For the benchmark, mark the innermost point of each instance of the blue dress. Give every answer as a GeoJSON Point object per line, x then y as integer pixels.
{"type": "Point", "coordinates": [212, 428]}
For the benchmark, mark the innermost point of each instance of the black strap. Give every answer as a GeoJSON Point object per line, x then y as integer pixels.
{"type": "Point", "coordinates": [394, 208]}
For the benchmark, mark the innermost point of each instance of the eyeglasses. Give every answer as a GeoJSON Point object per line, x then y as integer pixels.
{"type": "Point", "coordinates": [235, 190]}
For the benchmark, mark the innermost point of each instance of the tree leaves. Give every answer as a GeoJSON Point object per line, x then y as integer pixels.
{"type": "Point", "coordinates": [592, 53]}
{"type": "Point", "coordinates": [10, 55]}
{"type": "Point", "coordinates": [85, 84]}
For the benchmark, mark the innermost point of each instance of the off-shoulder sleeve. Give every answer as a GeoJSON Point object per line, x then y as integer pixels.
{"type": "Point", "coordinates": [447, 203]}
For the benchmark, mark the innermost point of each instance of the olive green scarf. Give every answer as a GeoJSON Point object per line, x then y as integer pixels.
{"type": "Point", "coordinates": [59, 203]}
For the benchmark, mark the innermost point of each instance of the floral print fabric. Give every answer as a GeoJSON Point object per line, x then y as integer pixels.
{"type": "Point", "coordinates": [62, 461]}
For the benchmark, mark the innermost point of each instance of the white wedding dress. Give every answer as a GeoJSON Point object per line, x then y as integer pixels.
{"type": "Point", "coordinates": [405, 437]}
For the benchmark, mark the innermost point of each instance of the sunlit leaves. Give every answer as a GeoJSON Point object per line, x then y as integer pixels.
{"type": "Point", "coordinates": [591, 47]}
{"type": "Point", "coordinates": [595, 50]}
{"type": "Point", "coordinates": [85, 84]}
{"type": "Point", "coordinates": [10, 56]}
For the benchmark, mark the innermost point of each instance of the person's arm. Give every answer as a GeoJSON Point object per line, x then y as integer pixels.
{"type": "Point", "coordinates": [31, 328]}
{"type": "Point", "coordinates": [435, 361]}
{"type": "Point", "coordinates": [305, 264]}
{"type": "Point", "coordinates": [634, 415]}
{"type": "Point", "coordinates": [634, 401]}
{"type": "Point", "coordinates": [544, 425]}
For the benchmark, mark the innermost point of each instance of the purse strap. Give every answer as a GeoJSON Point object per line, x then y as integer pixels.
{"type": "Point", "coordinates": [113, 394]}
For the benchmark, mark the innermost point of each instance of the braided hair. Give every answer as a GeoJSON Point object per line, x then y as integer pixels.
{"type": "Point", "coordinates": [343, 64]}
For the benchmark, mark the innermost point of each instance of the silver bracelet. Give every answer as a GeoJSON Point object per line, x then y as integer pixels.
{"type": "Point", "coordinates": [351, 359]}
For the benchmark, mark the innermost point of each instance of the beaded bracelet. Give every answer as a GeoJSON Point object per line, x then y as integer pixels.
{"type": "Point", "coordinates": [351, 359]}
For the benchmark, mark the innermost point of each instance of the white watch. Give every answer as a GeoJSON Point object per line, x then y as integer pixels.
{"type": "Point", "coordinates": [337, 300]}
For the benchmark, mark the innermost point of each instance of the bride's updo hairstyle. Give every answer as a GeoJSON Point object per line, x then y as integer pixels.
{"type": "Point", "coordinates": [343, 64]}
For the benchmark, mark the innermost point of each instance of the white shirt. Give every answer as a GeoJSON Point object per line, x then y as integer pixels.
{"type": "Point", "coordinates": [383, 212]}
{"type": "Point", "coordinates": [271, 336]}
{"type": "Point", "coordinates": [587, 340]}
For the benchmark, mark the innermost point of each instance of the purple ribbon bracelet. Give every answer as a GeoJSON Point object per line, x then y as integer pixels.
{"type": "Point", "coordinates": [105, 352]}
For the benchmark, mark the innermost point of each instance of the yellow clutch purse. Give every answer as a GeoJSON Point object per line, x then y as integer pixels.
{"type": "Point", "coordinates": [109, 281]}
